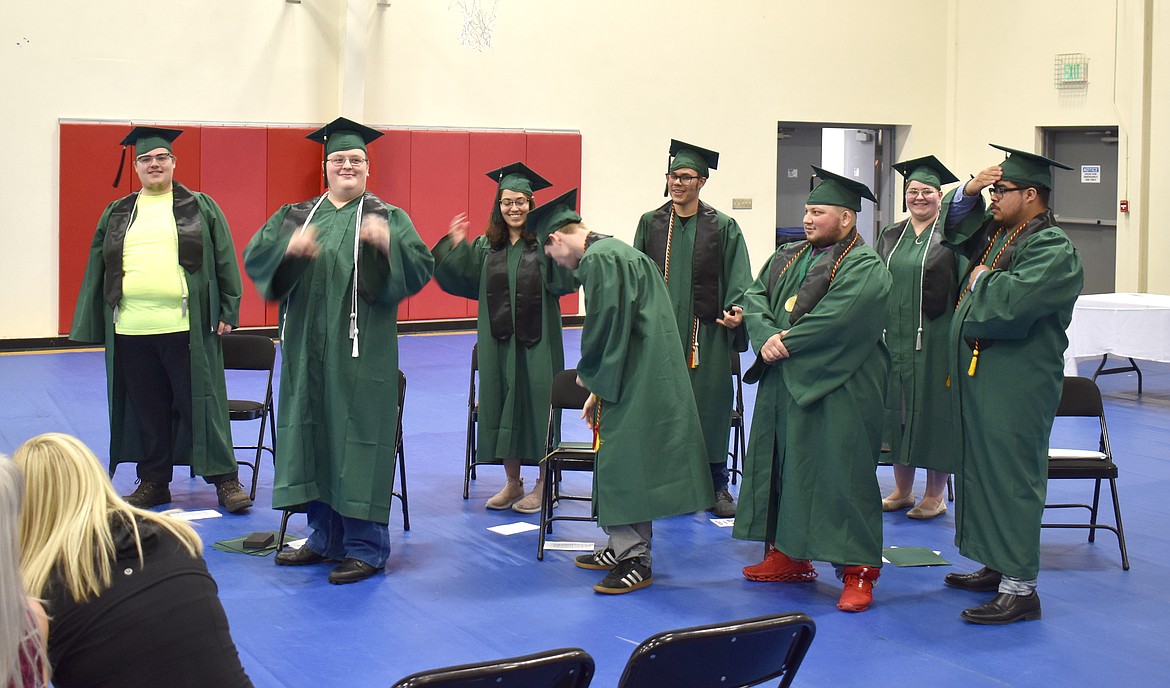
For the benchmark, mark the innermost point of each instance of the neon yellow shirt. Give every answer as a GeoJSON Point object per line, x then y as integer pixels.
{"type": "Point", "coordinates": [154, 286]}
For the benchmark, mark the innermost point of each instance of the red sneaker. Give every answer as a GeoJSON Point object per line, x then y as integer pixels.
{"type": "Point", "coordinates": [778, 568]}
{"type": "Point", "coordinates": [858, 592]}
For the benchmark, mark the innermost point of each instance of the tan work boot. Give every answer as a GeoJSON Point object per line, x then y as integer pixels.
{"type": "Point", "coordinates": [511, 493]}
{"type": "Point", "coordinates": [531, 502]}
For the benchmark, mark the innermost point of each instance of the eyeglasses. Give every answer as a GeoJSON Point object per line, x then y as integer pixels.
{"type": "Point", "coordinates": [161, 159]}
{"type": "Point", "coordinates": [997, 191]}
{"type": "Point", "coordinates": [919, 193]}
{"type": "Point", "coordinates": [340, 162]}
{"type": "Point", "coordinates": [684, 178]}
{"type": "Point", "coordinates": [509, 202]}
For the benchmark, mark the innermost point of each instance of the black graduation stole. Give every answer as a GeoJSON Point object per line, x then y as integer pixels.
{"type": "Point", "coordinates": [529, 295]}
{"type": "Point", "coordinates": [988, 234]}
{"type": "Point", "coordinates": [298, 214]}
{"type": "Point", "coordinates": [594, 237]}
{"type": "Point", "coordinates": [705, 263]}
{"type": "Point", "coordinates": [188, 222]}
{"type": "Point", "coordinates": [816, 282]}
{"type": "Point", "coordinates": [940, 268]}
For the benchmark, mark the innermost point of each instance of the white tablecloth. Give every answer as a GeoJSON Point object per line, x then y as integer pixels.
{"type": "Point", "coordinates": [1126, 325]}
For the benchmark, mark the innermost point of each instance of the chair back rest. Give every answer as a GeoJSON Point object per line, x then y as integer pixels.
{"type": "Point", "coordinates": [1080, 396]}
{"type": "Point", "coordinates": [471, 396]}
{"type": "Point", "coordinates": [248, 352]}
{"type": "Point", "coordinates": [566, 393]}
{"type": "Point", "coordinates": [564, 668]}
{"type": "Point", "coordinates": [728, 655]}
{"type": "Point", "coordinates": [737, 374]}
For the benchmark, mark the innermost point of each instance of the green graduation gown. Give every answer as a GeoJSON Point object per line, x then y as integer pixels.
{"type": "Point", "coordinates": [810, 471]}
{"type": "Point", "coordinates": [919, 424]}
{"type": "Point", "coordinates": [1019, 312]}
{"type": "Point", "coordinates": [515, 381]}
{"type": "Point", "coordinates": [336, 422]}
{"type": "Point", "coordinates": [650, 463]}
{"type": "Point", "coordinates": [711, 380]}
{"type": "Point", "coordinates": [213, 294]}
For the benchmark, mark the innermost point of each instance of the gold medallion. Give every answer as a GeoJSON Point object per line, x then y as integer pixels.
{"type": "Point", "coordinates": [790, 304]}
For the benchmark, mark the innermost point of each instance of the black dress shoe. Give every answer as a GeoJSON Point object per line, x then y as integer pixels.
{"type": "Point", "coordinates": [1005, 609]}
{"type": "Point", "coordinates": [983, 580]}
{"type": "Point", "coordinates": [351, 571]}
{"type": "Point", "coordinates": [300, 556]}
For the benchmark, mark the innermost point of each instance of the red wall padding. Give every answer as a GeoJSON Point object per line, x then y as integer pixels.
{"type": "Point", "coordinates": [432, 175]}
{"type": "Point", "coordinates": [240, 195]}
{"type": "Point", "coordinates": [557, 157]}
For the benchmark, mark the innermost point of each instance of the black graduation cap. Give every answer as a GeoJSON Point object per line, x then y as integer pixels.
{"type": "Point", "coordinates": [344, 134]}
{"type": "Point", "coordinates": [145, 139]}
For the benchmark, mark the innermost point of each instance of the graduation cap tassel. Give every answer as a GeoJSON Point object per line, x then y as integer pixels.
{"type": "Point", "coordinates": [121, 167]}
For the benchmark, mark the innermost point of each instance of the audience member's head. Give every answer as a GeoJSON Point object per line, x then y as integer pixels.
{"type": "Point", "coordinates": [66, 522]}
{"type": "Point", "coordinates": [19, 632]}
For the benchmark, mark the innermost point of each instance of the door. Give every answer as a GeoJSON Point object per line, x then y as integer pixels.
{"type": "Point", "coordinates": [859, 152]}
{"type": "Point", "coordinates": [1084, 201]}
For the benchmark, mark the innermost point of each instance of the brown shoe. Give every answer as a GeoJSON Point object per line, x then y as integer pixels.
{"type": "Point", "coordinates": [149, 494]}
{"type": "Point", "coordinates": [531, 502]}
{"type": "Point", "coordinates": [232, 496]}
{"type": "Point", "coordinates": [512, 492]}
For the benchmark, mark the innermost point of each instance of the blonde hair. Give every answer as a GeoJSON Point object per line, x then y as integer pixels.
{"type": "Point", "coordinates": [17, 622]}
{"type": "Point", "coordinates": [65, 524]}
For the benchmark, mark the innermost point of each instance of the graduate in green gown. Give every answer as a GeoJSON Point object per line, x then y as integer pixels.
{"type": "Point", "coordinates": [650, 459]}
{"type": "Point", "coordinates": [518, 328]}
{"type": "Point", "coordinates": [339, 264]}
{"type": "Point", "coordinates": [815, 316]}
{"type": "Point", "coordinates": [159, 290]}
{"type": "Point", "coordinates": [702, 255]}
{"type": "Point", "coordinates": [1007, 343]}
{"type": "Point", "coordinates": [919, 426]}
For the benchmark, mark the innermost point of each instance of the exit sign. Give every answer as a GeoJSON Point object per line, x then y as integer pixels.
{"type": "Point", "coordinates": [1071, 70]}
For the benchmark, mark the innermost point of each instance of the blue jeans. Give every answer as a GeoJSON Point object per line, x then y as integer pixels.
{"type": "Point", "coordinates": [337, 537]}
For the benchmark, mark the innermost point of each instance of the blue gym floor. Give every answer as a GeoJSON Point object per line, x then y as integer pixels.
{"type": "Point", "coordinates": [455, 592]}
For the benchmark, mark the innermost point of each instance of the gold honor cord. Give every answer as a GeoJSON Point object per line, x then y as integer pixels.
{"type": "Point", "coordinates": [693, 355]}
{"type": "Point", "coordinates": [967, 289]}
{"type": "Point", "coordinates": [597, 425]}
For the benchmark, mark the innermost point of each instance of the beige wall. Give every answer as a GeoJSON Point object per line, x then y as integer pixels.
{"type": "Point", "coordinates": [628, 74]}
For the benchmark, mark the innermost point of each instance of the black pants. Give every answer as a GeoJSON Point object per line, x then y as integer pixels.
{"type": "Point", "coordinates": [157, 372]}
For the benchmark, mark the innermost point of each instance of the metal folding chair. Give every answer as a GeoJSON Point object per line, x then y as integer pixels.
{"type": "Point", "coordinates": [400, 455]}
{"type": "Point", "coordinates": [729, 655]}
{"type": "Point", "coordinates": [255, 353]}
{"type": "Point", "coordinates": [565, 456]}
{"type": "Point", "coordinates": [1081, 398]}
{"type": "Point", "coordinates": [565, 668]}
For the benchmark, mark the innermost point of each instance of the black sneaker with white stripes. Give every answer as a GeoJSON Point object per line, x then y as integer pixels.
{"type": "Point", "coordinates": [601, 560]}
{"type": "Point", "coordinates": [628, 576]}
